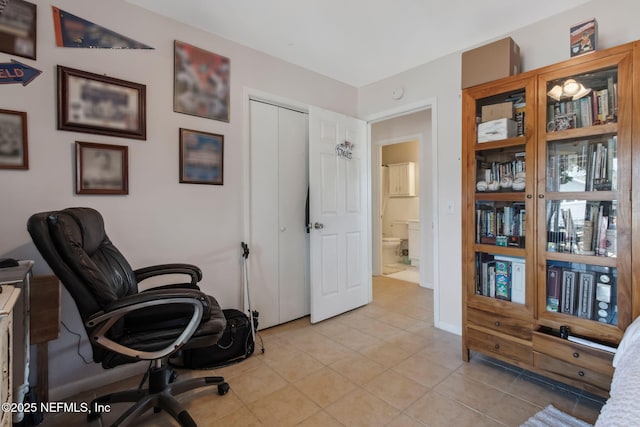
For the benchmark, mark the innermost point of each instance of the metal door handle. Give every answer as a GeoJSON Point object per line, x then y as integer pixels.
{"type": "Point", "coordinates": [318, 225]}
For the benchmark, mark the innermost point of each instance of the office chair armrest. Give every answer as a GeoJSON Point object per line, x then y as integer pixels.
{"type": "Point", "coordinates": [103, 321]}
{"type": "Point", "coordinates": [162, 269]}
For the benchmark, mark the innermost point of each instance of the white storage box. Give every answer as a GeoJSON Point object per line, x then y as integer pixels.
{"type": "Point", "coordinates": [495, 130]}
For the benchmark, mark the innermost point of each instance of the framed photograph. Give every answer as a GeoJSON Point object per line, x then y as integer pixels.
{"type": "Point", "coordinates": [101, 168]}
{"type": "Point", "coordinates": [93, 103]}
{"type": "Point", "coordinates": [201, 83]}
{"type": "Point", "coordinates": [201, 157]}
{"type": "Point", "coordinates": [14, 153]}
{"type": "Point", "coordinates": [18, 28]}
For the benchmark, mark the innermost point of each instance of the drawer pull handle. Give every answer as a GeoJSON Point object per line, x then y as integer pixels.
{"type": "Point", "coordinates": [581, 373]}
{"type": "Point", "coordinates": [497, 346]}
{"type": "Point", "coordinates": [576, 354]}
{"type": "Point", "coordinates": [497, 323]}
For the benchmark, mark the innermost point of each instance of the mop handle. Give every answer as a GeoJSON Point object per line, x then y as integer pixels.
{"type": "Point", "coordinates": [245, 255]}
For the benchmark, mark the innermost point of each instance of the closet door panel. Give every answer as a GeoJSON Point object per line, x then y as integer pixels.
{"type": "Point", "coordinates": [264, 258]}
{"type": "Point", "coordinates": [294, 241]}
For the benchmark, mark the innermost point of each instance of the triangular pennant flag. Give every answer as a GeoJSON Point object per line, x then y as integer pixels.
{"type": "Point", "coordinates": [73, 31]}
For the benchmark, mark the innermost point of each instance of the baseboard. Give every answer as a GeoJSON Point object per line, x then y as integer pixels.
{"type": "Point", "coordinates": [454, 329]}
{"type": "Point", "coordinates": [427, 285]}
{"type": "Point", "coordinates": [107, 376]}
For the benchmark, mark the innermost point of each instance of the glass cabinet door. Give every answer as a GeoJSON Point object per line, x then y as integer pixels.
{"type": "Point", "coordinates": [583, 198]}
{"type": "Point", "coordinates": [500, 179]}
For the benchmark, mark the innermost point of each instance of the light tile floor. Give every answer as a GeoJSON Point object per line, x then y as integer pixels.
{"type": "Point", "coordinates": [380, 365]}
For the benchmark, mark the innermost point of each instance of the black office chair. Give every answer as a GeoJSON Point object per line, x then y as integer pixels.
{"type": "Point", "coordinates": [124, 325]}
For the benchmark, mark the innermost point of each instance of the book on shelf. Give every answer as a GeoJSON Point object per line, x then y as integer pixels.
{"type": "Point", "coordinates": [569, 292]}
{"type": "Point", "coordinates": [503, 280]}
{"type": "Point", "coordinates": [605, 298]}
{"type": "Point", "coordinates": [586, 294]}
{"type": "Point", "coordinates": [554, 288]}
{"type": "Point", "coordinates": [517, 278]}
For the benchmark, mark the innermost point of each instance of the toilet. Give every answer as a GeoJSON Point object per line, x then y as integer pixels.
{"type": "Point", "coordinates": [391, 243]}
{"type": "Point", "coordinates": [391, 250]}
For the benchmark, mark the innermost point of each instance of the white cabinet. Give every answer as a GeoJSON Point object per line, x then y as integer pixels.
{"type": "Point", "coordinates": [402, 179]}
{"type": "Point", "coordinates": [279, 244]}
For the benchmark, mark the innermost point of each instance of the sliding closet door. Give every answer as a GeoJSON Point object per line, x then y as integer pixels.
{"type": "Point", "coordinates": [279, 259]}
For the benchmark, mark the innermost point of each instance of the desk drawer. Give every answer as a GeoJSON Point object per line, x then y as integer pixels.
{"type": "Point", "coordinates": [573, 353]}
{"type": "Point", "coordinates": [506, 325]}
{"type": "Point", "coordinates": [498, 345]}
{"type": "Point", "coordinates": [571, 371]}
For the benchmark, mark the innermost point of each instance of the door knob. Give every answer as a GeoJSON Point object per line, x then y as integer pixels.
{"type": "Point", "coordinates": [318, 225]}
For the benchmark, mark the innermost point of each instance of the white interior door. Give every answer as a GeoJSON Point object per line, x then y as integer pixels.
{"type": "Point", "coordinates": [339, 240]}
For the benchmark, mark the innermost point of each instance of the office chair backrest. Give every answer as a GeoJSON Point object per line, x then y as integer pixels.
{"type": "Point", "coordinates": [74, 244]}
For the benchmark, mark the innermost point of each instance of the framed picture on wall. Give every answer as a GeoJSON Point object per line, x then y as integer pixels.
{"type": "Point", "coordinates": [98, 104]}
{"type": "Point", "coordinates": [14, 153]}
{"type": "Point", "coordinates": [101, 168]}
{"type": "Point", "coordinates": [18, 23]}
{"type": "Point", "coordinates": [201, 83]}
{"type": "Point", "coordinates": [201, 157]}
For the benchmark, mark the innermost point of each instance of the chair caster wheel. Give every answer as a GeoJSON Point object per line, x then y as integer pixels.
{"type": "Point", "coordinates": [223, 389]}
{"type": "Point", "coordinates": [173, 376]}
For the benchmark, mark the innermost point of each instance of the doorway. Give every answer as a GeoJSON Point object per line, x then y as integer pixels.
{"type": "Point", "coordinates": [418, 209]}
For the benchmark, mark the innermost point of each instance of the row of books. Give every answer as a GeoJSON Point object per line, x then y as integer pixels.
{"type": "Point", "coordinates": [494, 221]}
{"type": "Point", "coordinates": [495, 171]}
{"type": "Point", "coordinates": [583, 293]}
{"type": "Point", "coordinates": [501, 277]}
{"type": "Point", "coordinates": [598, 107]}
{"type": "Point", "coordinates": [593, 167]}
{"type": "Point", "coordinates": [594, 234]}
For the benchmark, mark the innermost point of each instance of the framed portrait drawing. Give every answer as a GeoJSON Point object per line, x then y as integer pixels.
{"type": "Point", "coordinates": [101, 168]}
{"type": "Point", "coordinates": [97, 104]}
{"type": "Point", "coordinates": [14, 153]}
{"type": "Point", "coordinates": [201, 157]}
{"type": "Point", "coordinates": [18, 23]}
{"type": "Point", "coordinates": [201, 83]}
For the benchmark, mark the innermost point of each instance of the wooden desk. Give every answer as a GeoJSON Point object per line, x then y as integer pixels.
{"type": "Point", "coordinates": [45, 325]}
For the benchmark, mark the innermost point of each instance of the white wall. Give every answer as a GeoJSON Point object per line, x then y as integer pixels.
{"type": "Point", "coordinates": [160, 220]}
{"type": "Point", "coordinates": [541, 44]}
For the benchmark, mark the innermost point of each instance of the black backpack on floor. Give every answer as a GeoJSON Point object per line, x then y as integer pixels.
{"type": "Point", "coordinates": [235, 345]}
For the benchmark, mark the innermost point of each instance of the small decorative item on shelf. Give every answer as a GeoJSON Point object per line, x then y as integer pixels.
{"type": "Point", "coordinates": [481, 186]}
{"type": "Point", "coordinates": [520, 182]}
{"type": "Point", "coordinates": [584, 37]}
{"type": "Point", "coordinates": [506, 182]}
{"type": "Point", "coordinates": [493, 186]}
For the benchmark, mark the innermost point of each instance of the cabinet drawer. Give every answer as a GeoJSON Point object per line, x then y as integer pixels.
{"type": "Point", "coordinates": [575, 354]}
{"type": "Point", "coordinates": [507, 325]}
{"type": "Point", "coordinates": [498, 345]}
{"type": "Point", "coordinates": [571, 371]}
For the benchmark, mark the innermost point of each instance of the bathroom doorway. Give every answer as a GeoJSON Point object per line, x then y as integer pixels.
{"type": "Point", "coordinates": [400, 210]}
{"type": "Point", "coordinates": [402, 202]}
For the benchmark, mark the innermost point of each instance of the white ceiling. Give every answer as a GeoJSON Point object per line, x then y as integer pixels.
{"type": "Point", "coordinates": [358, 41]}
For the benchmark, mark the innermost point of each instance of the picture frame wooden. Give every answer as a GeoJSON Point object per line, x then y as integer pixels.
{"type": "Point", "coordinates": [201, 157]}
{"type": "Point", "coordinates": [18, 28]}
{"type": "Point", "coordinates": [101, 168]}
{"type": "Point", "coordinates": [97, 104]}
{"type": "Point", "coordinates": [14, 150]}
{"type": "Point", "coordinates": [201, 83]}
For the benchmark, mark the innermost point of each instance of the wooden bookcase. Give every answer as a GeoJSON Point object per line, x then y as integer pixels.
{"type": "Point", "coordinates": [549, 205]}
